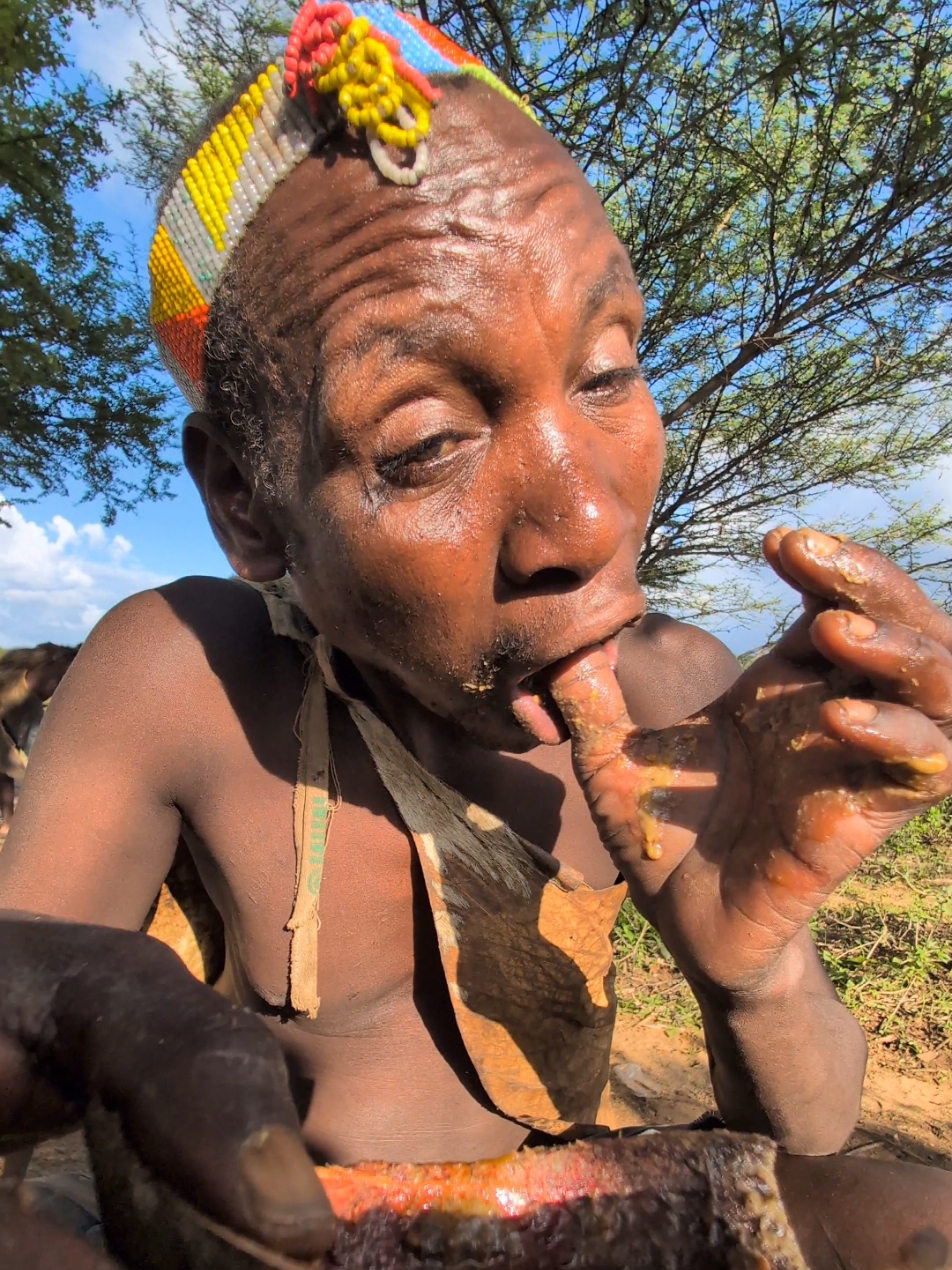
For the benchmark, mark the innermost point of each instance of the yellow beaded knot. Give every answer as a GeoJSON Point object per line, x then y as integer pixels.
{"type": "Point", "coordinates": [369, 91]}
{"type": "Point", "coordinates": [376, 61]}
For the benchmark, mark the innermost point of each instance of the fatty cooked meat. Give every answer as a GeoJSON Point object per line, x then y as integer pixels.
{"type": "Point", "coordinates": [677, 1199]}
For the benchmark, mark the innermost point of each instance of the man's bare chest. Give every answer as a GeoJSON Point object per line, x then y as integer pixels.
{"type": "Point", "coordinates": [240, 829]}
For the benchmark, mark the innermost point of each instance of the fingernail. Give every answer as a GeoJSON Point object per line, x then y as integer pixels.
{"type": "Point", "coordinates": [859, 711]}
{"type": "Point", "coordinates": [860, 627]}
{"type": "Point", "coordinates": [821, 545]}
{"type": "Point", "coordinates": [278, 1173]}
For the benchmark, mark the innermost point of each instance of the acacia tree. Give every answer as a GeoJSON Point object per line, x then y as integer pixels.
{"type": "Point", "coordinates": [780, 172]}
{"type": "Point", "coordinates": [80, 394]}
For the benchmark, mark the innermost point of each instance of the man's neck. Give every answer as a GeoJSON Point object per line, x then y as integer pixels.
{"type": "Point", "coordinates": [438, 744]}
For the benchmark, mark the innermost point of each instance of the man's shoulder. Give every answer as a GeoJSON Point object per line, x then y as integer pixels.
{"type": "Point", "coordinates": [668, 670]}
{"type": "Point", "coordinates": [225, 615]}
{"type": "Point", "coordinates": [181, 632]}
{"type": "Point", "coordinates": [668, 634]}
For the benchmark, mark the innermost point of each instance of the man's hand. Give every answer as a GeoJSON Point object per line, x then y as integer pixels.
{"type": "Point", "coordinates": [734, 827]}
{"type": "Point", "coordinates": [200, 1087]}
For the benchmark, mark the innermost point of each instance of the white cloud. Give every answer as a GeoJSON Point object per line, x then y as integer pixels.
{"type": "Point", "coordinates": [95, 535]}
{"type": "Point", "coordinates": [57, 580]}
{"type": "Point", "coordinates": [937, 487]}
{"type": "Point", "coordinates": [65, 532]}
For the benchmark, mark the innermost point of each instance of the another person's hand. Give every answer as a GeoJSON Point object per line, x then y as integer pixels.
{"type": "Point", "coordinates": [735, 826]}
{"type": "Point", "coordinates": [200, 1087]}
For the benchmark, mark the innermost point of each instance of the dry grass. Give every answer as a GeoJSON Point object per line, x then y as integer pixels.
{"type": "Point", "coordinates": [886, 941]}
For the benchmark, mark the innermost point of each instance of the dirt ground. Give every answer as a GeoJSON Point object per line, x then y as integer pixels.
{"type": "Point", "coordinates": [904, 1117]}
{"type": "Point", "coordinates": [60, 1155]}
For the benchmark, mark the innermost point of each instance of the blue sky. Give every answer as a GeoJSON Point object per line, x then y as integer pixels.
{"type": "Point", "coordinates": [59, 568]}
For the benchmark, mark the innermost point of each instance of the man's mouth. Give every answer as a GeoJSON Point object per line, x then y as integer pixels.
{"type": "Point", "coordinates": [534, 706]}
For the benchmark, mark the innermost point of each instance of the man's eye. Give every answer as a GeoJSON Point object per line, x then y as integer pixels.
{"type": "Point", "coordinates": [616, 382]}
{"type": "Point", "coordinates": [410, 465]}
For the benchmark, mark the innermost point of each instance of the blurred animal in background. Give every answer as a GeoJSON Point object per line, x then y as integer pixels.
{"type": "Point", "coordinates": [182, 916]}
{"type": "Point", "coordinates": [28, 678]}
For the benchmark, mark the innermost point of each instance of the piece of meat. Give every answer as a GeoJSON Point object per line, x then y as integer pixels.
{"type": "Point", "coordinates": [690, 1201]}
{"type": "Point", "coordinates": [669, 1201]}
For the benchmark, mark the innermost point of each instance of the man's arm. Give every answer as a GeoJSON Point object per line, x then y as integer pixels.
{"type": "Point", "coordinates": [195, 1087]}
{"type": "Point", "coordinates": [790, 1060]}
{"type": "Point", "coordinates": [97, 822]}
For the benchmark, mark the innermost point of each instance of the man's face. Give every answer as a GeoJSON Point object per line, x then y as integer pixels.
{"type": "Point", "coordinates": [487, 450]}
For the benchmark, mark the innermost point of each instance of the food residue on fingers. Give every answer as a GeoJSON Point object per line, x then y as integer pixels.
{"type": "Point", "coordinates": [630, 773]}
{"type": "Point", "coordinates": [651, 818]}
{"type": "Point", "coordinates": [929, 765]}
{"type": "Point", "coordinates": [906, 768]}
{"type": "Point", "coordinates": [849, 573]}
{"type": "Point", "coordinates": [540, 714]}
{"type": "Point", "coordinates": [780, 871]}
{"type": "Point", "coordinates": [804, 863]}
{"type": "Point", "coordinates": [663, 756]}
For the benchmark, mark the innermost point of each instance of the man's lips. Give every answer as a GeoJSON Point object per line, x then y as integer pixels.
{"type": "Point", "coordinates": [604, 631]}
{"type": "Point", "coordinates": [532, 703]}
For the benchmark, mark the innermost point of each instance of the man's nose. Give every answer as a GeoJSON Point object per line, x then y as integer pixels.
{"type": "Point", "coordinates": [568, 518]}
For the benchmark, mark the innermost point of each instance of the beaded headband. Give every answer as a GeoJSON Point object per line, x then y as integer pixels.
{"type": "Point", "coordinates": [376, 61]}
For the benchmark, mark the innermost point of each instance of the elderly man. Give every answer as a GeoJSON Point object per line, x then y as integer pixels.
{"type": "Point", "coordinates": [422, 435]}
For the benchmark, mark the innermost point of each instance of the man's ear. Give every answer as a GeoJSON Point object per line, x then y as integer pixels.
{"type": "Point", "coordinates": [240, 518]}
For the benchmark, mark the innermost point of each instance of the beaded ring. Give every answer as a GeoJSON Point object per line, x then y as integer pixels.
{"type": "Point", "coordinates": [375, 61]}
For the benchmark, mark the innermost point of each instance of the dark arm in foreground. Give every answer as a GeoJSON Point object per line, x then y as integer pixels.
{"type": "Point", "coordinates": [199, 1086]}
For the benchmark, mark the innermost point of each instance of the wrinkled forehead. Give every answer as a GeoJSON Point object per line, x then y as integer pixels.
{"type": "Point", "coordinates": [335, 245]}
